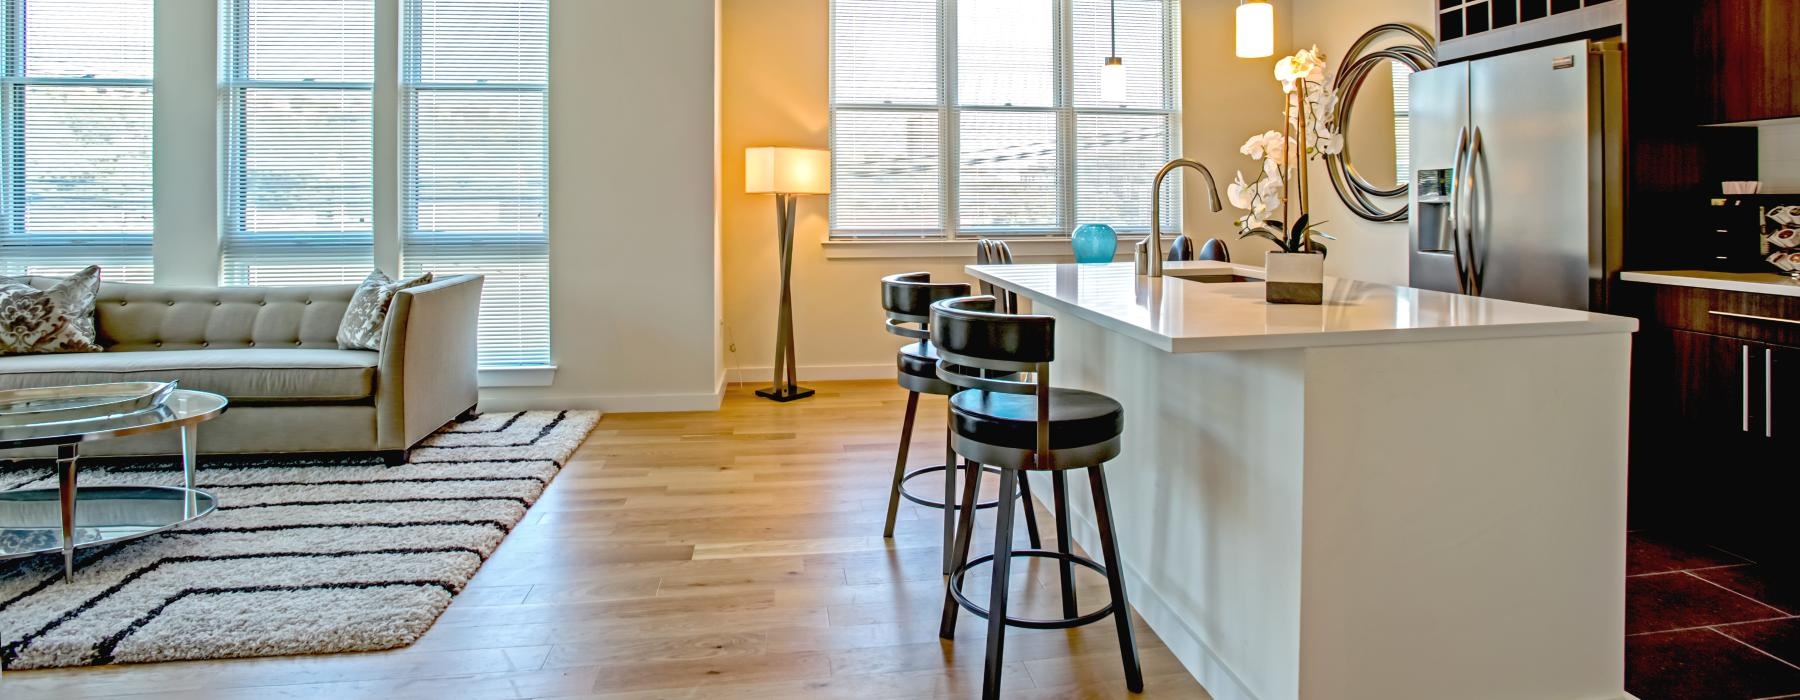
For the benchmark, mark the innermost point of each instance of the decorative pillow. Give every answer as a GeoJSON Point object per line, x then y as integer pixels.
{"type": "Point", "coordinates": [59, 319]}
{"type": "Point", "coordinates": [367, 315]}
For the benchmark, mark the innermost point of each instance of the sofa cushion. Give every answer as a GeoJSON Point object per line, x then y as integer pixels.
{"type": "Point", "coordinates": [59, 318]}
{"type": "Point", "coordinates": [246, 376]}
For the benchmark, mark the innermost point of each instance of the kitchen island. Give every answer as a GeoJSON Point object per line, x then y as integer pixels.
{"type": "Point", "coordinates": [1398, 494]}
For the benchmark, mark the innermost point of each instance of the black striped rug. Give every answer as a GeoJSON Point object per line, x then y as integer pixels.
{"type": "Point", "coordinates": [304, 556]}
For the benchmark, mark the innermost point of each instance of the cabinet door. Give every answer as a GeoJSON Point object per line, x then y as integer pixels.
{"type": "Point", "coordinates": [1716, 393]}
{"type": "Point", "coordinates": [1748, 52]}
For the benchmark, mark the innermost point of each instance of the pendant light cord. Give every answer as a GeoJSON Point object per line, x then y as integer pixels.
{"type": "Point", "coordinates": [1112, 21]}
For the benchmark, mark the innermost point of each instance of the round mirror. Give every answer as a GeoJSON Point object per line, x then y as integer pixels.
{"type": "Point", "coordinates": [1372, 115]}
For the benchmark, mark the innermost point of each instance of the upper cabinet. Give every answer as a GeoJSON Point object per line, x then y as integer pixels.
{"type": "Point", "coordinates": [1748, 50]}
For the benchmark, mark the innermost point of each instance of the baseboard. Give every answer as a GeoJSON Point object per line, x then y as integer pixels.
{"type": "Point", "coordinates": [814, 373]}
{"type": "Point", "coordinates": [610, 403]}
{"type": "Point", "coordinates": [1181, 639]}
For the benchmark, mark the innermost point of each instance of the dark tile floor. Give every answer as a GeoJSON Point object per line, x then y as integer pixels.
{"type": "Point", "coordinates": [1702, 623]}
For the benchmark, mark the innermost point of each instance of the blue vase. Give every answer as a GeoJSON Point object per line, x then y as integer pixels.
{"type": "Point", "coordinates": [1095, 243]}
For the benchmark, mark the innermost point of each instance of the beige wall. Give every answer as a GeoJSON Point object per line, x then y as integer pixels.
{"type": "Point", "coordinates": [1365, 249]}
{"type": "Point", "coordinates": [633, 265]}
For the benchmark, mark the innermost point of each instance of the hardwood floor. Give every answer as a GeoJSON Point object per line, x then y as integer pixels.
{"type": "Point", "coordinates": [735, 554]}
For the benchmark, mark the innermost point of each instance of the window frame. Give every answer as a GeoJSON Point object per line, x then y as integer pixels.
{"type": "Point", "coordinates": [949, 115]}
{"type": "Point", "coordinates": [14, 173]}
{"type": "Point", "coordinates": [235, 84]}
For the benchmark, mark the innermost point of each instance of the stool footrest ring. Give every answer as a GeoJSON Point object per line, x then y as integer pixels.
{"type": "Point", "coordinates": [933, 503]}
{"type": "Point", "coordinates": [956, 582]}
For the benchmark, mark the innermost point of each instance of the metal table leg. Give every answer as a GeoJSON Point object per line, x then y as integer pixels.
{"type": "Point", "coordinates": [190, 441]}
{"type": "Point", "coordinates": [66, 456]}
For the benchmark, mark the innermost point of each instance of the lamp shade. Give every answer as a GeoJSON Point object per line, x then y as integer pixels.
{"type": "Point", "coordinates": [1255, 29]}
{"type": "Point", "coordinates": [1112, 80]}
{"type": "Point", "coordinates": [780, 170]}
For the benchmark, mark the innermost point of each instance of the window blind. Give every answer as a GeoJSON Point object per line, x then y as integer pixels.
{"type": "Point", "coordinates": [984, 117]}
{"type": "Point", "coordinates": [298, 181]}
{"type": "Point", "coordinates": [475, 182]}
{"type": "Point", "coordinates": [75, 138]}
{"type": "Point", "coordinates": [1402, 77]}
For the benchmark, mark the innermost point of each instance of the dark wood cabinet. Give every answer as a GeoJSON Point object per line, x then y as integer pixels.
{"type": "Point", "coordinates": [1715, 414]}
{"type": "Point", "coordinates": [1748, 51]}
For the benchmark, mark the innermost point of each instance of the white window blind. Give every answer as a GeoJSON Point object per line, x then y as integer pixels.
{"type": "Point", "coordinates": [1402, 76]}
{"type": "Point", "coordinates": [75, 138]}
{"type": "Point", "coordinates": [298, 182]}
{"type": "Point", "coordinates": [984, 117]}
{"type": "Point", "coordinates": [475, 180]}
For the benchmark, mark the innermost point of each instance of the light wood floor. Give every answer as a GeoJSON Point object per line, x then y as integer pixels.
{"type": "Point", "coordinates": [735, 554]}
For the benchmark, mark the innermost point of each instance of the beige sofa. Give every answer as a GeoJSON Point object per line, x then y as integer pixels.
{"type": "Point", "coordinates": [273, 352]}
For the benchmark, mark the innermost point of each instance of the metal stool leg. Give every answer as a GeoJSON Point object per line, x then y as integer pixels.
{"type": "Point", "coordinates": [1002, 570]}
{"type": "Point", "coordinates": [906, 430]}
{"type": "Point", "coordinates": [965, 531]}
{"type": "Point", "coordinates": [950, 488]}
{"type": "Point", "coordinates": [1115, 580]}
{"type": "Point", "coordinates": [1025, 500]}
{"type": "Point", "coordinates": [1060, 493]}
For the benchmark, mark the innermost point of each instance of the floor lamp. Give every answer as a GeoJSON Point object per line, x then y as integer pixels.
{"type": "Point", "coordinates": [786, 173]}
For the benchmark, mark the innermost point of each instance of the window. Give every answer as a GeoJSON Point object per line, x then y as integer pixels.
{"type": "Point", "coordinates": [475, 180]}
{"type": "Point", "coordinates": [1402, 122]}
{"type": "Point", "coordinates": [985, 118]}
{"type": "Point", "coordinates": [298, 150]}
{"type": "Point", "coordinates": [75, 138]}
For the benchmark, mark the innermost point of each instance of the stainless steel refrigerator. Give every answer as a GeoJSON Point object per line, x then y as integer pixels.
{"type": "Point", "coordinates": [1517, 175]}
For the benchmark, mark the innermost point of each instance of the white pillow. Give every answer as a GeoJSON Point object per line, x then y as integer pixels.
{"type": "Point", "coordinates": [367, 315]}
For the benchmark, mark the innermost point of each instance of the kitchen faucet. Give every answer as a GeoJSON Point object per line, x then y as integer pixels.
{"type": "Point", "coordinates": [1212, 188]}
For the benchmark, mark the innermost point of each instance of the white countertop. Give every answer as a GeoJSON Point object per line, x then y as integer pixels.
{"type": "Point", "coordinates": [1178, 315]}
{"type": "Point", "coordinates": [1752, 282]}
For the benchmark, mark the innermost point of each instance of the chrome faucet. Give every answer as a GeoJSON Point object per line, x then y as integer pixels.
{"type": "Point", "coordinates": [1212, 188]}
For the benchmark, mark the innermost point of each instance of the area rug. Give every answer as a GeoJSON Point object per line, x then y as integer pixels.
{"type": "Point", "coordinates": [303, 556]}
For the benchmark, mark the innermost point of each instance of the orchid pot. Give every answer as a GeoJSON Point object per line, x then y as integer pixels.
{"type": "Point", "coordinates": [1295, 278]}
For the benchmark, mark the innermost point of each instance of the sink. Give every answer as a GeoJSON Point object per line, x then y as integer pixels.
{"type": "Point", "coordinates": [1209, 276]}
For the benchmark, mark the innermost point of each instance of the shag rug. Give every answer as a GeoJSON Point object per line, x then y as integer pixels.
{"type": "Point", "coordinates": [303, 556]}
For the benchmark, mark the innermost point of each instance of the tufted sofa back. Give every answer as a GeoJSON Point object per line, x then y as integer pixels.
{"type": "Point", "coordinates": [156, 317]}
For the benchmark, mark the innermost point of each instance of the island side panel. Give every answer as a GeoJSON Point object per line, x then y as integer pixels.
{"type": "Point", "coordinates": [1207, 500]}
{"type": "Point", "coordinates": [1464, 523]}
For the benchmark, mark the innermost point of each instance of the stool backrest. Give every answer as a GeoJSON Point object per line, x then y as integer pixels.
{"type": "Point", "coordinates": [1182, 248]}
{"type": "Point", "coordinates": [992, 252]}
{"type": "Point", "coordinates": [907, 299]}
{"type": "Point", "coordinates": [1214, 249]}
{"type": "Point", "coordinates": [968, 333]}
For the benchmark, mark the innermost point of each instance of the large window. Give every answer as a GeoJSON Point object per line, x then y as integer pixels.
{"type": "Point", "coordinates": [985, 117]}
{"type": "Point", "coordinates": [298, 151]}
{"type": "Point", "coordinates": [474, 168]}
{"type": "Point", "coordinates": [75, 138]}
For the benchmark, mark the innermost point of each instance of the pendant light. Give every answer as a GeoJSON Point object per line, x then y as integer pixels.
{"type": "Point", "coordinates": [1112, 74]}
{"type": "Point", "coordinates": [1255, 29]}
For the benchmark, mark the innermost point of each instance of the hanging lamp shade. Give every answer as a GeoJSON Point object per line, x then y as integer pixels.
{"type": "Point", "coordinates": [1255, 29]}
{"type": "Point", "coordinates": [1112, 80]}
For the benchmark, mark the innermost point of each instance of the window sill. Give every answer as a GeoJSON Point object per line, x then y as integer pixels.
{"type": "Point", "coordinates": [1046, 247]}
{"type": "Point", "coordinates": [497, 377]}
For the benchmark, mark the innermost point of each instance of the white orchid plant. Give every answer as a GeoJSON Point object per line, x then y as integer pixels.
{"type": "Point", "coordinates": [1310, 108]}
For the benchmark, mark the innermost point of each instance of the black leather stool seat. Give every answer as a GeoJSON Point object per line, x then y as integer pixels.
{"type": "Point", "coordinates": [918, 370]}
{"type": "Point", "coordinates": [1077, 418]}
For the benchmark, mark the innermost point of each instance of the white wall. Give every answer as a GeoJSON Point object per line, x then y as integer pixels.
{"type": "Point", "coordinates": [1778, 158]}
{"type": "Point", "coordinates": [634, 308]}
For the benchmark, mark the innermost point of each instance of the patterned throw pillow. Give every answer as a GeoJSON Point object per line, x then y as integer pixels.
{"type": "Point", "coordinates": [59, 319]}
{"type": "Point", "coordinates": [367, 315]}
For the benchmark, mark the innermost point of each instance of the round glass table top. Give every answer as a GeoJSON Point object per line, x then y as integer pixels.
{"type": "Point", "coordinates": [183, 407]}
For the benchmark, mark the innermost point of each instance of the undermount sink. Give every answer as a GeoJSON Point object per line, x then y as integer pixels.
{"type": "Point", "coordinates": [1210, 276]}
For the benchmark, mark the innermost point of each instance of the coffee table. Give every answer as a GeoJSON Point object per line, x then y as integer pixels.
{"type": "Point", "coordinates": [44, 520]}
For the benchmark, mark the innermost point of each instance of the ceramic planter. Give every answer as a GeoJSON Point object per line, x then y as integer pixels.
{"type": "Point", "coordinates": [1295, 278]}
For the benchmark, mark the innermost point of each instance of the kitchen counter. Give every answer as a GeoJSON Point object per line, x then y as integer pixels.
{"type": "Point", "coordinates": [1752, 282]}
{"type": "Point", "coordinates": [1397, 494]}
{"type": "Point", "coordinates": [1175, 314]}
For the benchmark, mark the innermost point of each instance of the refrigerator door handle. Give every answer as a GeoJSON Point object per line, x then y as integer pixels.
{"type": "Point", "coordinates": [1466, 261]}
{"type": "Point", "coordinates": [1455, 207]}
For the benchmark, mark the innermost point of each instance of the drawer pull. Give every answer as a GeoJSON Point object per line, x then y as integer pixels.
{"type": "Point", "coordinates": [1749, 317]}
{"type": "Point", "coordinates": [1744, 391]}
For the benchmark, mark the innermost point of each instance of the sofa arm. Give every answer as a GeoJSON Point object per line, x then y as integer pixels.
{"type": "Point", "coordinates": [427, 373]}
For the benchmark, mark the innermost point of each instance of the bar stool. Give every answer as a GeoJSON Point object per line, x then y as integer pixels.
{"type": "Point", "coordinates": [1022, 426]}
{"type": "Point", "coordinates": [1213, 249]}
{"type": "Point", "coordinates": [907, 298]}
